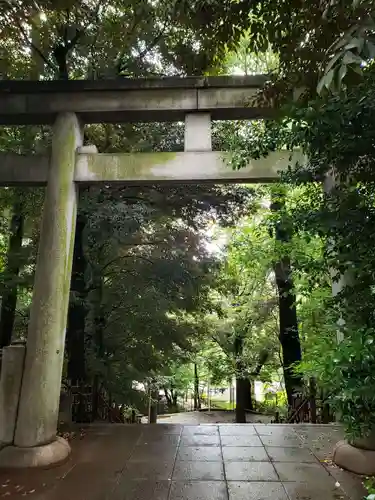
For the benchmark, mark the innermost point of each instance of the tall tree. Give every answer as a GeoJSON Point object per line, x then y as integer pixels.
{"type": "Point", "coordinates": [289, 337]}
{"type": "Point", "coordinates": [9, 298]}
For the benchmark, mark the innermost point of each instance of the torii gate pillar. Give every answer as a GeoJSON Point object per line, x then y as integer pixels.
{"type": "Point", "coordinates": [35, 442]}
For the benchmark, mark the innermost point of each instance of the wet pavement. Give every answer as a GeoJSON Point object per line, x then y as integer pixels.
{"type": "Point", "coordinates": [209, 417]}
{"type": "Point", "coordinates": [194, 462]}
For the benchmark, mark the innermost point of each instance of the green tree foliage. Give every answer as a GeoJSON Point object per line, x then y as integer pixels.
{"type": "Point", "coordinates": [21, 209]}
{"type": "Point", "coordinates": [335, 131]}
{"type": "Point", "coordinates": [101, 38]}
{"type": "Point", "coordinates": [242, 341]}
{"type": "Point", "coordinates": [339, 133]}
{"type": "Point", "coordinates": [259, 258]}
{"type": "Point", "coordinates": [241, 59]}
{"type": "Point", "coordinates": [177, 384]}
{"type": "Point", "coordinates": [328, 39]}
{"type": "Point", "coordinates": [149, 270]}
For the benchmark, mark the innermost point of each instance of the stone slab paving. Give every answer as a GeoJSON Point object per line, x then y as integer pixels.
{"type": "Point", "coordinates": [201, 462]}
{"type": "Point", "coordinates": [209, 417]}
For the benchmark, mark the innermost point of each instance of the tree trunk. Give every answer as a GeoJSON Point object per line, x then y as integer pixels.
{"type": "Point", "coordinates": [153, 407]}
{"type": "Point", "coordinates": [241, 386]}
{"type": "Point", "coordinates": [289, 337]}
{"type": "Point", "coordinates": [168, 398]}
{"type": "Point", "coordinates": [9, 302]}
{"type": "Point", "coordinates": [99, 324]}
{"type": "Point", "coordinates": [248, 401]}
{"type": "Point", "coordinates": [197, 400]}
{"type": "Point", "coordinates": [174, 400]}
{"type": "Point", "coordinates": [110, 406]}
{"type": "Point", "coordinates": [262, 360]}
{"type": "Point", "coordinates": [94, 336]}
{"type": "Point", "coordinates": [97, 341]}
{"type": "Point", "coordinates": [95, 399]}
{"type": "Point", "coordinates": [75, 333]}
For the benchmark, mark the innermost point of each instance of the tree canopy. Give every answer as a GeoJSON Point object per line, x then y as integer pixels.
{"type": "Point", "coordinates": [102, 39]}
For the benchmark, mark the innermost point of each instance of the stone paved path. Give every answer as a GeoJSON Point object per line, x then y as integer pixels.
{"type": "Point", "coordinates": [194, 462]}
{"type": "Point", "coordinates": [209, 417]}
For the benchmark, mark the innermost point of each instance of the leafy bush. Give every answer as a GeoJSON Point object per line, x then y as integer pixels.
{"type": "Point", "coordinates": [278, 404]}
{"type": "Point", "coordinates": [347, 371]}
{"type": "Point", "coordinates": [369, 484]}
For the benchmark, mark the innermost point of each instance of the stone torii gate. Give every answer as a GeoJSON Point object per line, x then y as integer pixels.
{"type": "Point", "coordinates": [31, 377]}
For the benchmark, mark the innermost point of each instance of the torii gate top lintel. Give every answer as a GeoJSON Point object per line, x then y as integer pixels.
{"type": "Point", "coordinates": [130, 100]}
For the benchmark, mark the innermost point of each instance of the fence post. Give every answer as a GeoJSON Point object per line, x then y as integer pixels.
{"type": "Point", "coordinates": [312, 400]}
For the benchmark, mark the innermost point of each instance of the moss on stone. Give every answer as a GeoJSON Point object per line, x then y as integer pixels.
{"type": "Point", "coordinates": [125, 165]}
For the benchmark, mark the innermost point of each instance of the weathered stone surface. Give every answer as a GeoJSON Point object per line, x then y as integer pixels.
{"type": "Point", "coordinates": [299, 455]}
{"type": "Point", "coordinates": [198, 490]}
{"type": "Point", "coordinates": [313, 491]}
{"type": "Point", "coordinates": [244, 454]}
{"type": "Point", "coordinates": [172, 82]}
{"type": "Point", "coordinates": [87, 148]}
{"type": "Point", "coordinates": [253, 490]}
{"type": "Point", "coordinates": [198, 471]}
{"type": "Point", "coordinates": [250, 471]}
{"type": "Point", "coordinates": [200, 454]}
{"type": "Point", "coordinates": [128, 100]}
{"type": "Point", "coordinates": [123, 462]}
{"type": "Point", "coordinates": [366, 443]}
{"type": "Point", "coordinates": [25, 169]}
{"type": "Point", "coordinates": [354, 459]}
{"type": "Point", "coordinates": [304, 473]}
{"type": "Point", "coordinates": [282, 440]}
{"type": "Point", "coordinates": [179, 167]}
{"type": "Point", "coordinates": [189, 166]}
{"type": "Point", "coordinates": [10, 386]}
{"type": "Point", "coordinates": [238, 430]}
{"type": "Point", "coordinates": [53, 453]}
{"type": "Point", "coordinates": [196, 430]}
{"type": "Point", "coordinates": [141, 489]}
{"type": "Point", "coordinates": [200, 440]}
{"type": "Point", "coordinates": [40, 393]}
{"type": "Point", "coordinates": [198, 132]}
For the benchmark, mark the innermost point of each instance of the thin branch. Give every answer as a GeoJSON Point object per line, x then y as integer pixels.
{"type": "Point", "coordinates": [91, 288]}
{"type": "Point", "coordinates": [153, 43]}
{"type": "Point", "coordinates": [220, 345]}
{"type": "Point", "coordinates": [110, 323]}
{"type": "Point", "coordinates": [126, 257]}
{"type": "Point", "coordinates": [24, 315]}
{"type": "Point", "coordinates": [27, 38]}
